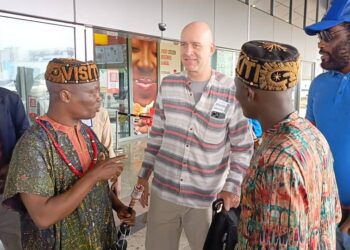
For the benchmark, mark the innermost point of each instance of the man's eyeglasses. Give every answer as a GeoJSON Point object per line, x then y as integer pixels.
{"type": "Point", "coordinates": [327, 36]}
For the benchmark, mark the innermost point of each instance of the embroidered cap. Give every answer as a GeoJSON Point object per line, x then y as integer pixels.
{"type": "Point", "coordinates": [71, 71]}
{"type": "Point", "coordinates": [268, 65]}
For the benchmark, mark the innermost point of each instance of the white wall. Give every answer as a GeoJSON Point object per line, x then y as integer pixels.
{"type": "Point", "coordinates": [140, 16]}
{"type": "Point", "coordinates": [231, 24]}
{"type": "Point", "coordinates": [261, 25]}
{"type": "Point", "coordinates": [227, 18]}
{"type": "Point", "coordinates": [178, 13]}
{"type": "Point", "coordinates": [56, 9]}
{"type": "Point", "coordinates": [282, 31]}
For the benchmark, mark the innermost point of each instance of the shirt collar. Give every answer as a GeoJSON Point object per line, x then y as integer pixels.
{"type": "Point", "coordinates": [60, 127]}
{"type": "Point", "coordinates": [291, 117]}
{"type": "Point", "coordinates": [337, 73]}
{"type": "Point", "coordinates": [212, 77]}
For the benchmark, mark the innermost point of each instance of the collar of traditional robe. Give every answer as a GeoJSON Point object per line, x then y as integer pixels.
{"type": "Point", "coordinates": [64, 156]}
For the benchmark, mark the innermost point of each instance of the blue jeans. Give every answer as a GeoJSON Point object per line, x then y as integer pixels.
{"type": "Point", "coordinates": [343, 240]}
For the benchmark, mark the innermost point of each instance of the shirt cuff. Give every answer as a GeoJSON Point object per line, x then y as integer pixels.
{"type": "Point", "coordinates": [145, 173]}
{"type": "Point", "coordinates": [232, 188]}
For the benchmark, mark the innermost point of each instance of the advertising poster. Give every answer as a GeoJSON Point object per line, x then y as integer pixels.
{"type": "Point", "coordinates": [103, 80]}
{"type": "Point", "coordinates": [170, 61]}
{"type": "Point", "coordinates": [113, 81]}
{"type": "Point", "coordinates": [145, 81]}
{"type": "Point", "coordinates": [33, 107]}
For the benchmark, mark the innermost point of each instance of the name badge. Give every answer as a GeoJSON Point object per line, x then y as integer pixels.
{"type": "Point", "coordinates": [219, 109]}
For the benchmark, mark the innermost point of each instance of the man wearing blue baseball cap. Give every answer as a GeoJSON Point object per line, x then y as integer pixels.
{"type": "Point", "coordinates": [329, 100]}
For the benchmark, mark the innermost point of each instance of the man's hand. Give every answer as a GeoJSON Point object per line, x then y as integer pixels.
{"type": "Point", "coordinates": [145, 194]}
{"type": "Point", "coordinates": [107, 169]}
{"type": "Point", "coordinates": [123, 212]}
{"type": "Point", "coordinates": [230, 199]}
{"type": "Point", "coordinates": [345, 227]}
{"type": "Point", "coordinates": [125, 216]}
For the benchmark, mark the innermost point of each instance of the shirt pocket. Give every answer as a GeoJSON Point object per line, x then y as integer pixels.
{"type": "Point", "coordinates": [214, 131]}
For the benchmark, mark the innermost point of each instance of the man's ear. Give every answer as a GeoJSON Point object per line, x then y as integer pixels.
{"type": "Point", "coordinates": [251, 95]}
{"type": "Point", "coordinates": [212, 49]}
{"type": "Point", "coordinates": [65, 96]}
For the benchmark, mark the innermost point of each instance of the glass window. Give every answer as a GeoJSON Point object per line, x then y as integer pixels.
{"type": "Point", "coordinates": [311, 12]}
{"type": "Point", "coordinates": [264, 5]}
{"type": "Point", "coordinates": [25, 49]}
{"type": "Point", "coordinates": [281, 9]}
{"type": "Point", "coordinates": [224, 61]}
{"type": "Point", "coordinates": [322, 8]}
{"type": "Point", "coordinates": [298, 13]}
{"type": "Point", "coordinates": [112, 61]}
{"type": "Point", "coordinates": [307, 74]}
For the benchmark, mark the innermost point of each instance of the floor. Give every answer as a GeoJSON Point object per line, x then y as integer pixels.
{"type": "Point", "coordinates": [134, 150]}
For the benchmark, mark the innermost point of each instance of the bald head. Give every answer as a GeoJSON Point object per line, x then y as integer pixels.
{"type": "Point", "coordinates": [198, 29]}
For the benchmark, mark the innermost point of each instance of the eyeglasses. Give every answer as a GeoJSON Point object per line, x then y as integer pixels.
{"type": "Point", "coordinates": [327, 36]}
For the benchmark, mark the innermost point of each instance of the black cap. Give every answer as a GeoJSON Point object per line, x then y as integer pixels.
{"type": "Point", "coordinates": [268, 65]}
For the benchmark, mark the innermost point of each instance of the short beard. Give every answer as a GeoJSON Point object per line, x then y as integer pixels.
{"type": "Point", "coordinates": [339, 58]}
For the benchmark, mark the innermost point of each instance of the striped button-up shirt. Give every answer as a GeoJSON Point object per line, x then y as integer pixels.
{"type": "Point", "coordinates": [197, 150]}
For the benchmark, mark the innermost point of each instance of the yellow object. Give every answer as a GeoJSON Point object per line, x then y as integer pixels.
{"type": "Point", "coordinates": [100, 39]}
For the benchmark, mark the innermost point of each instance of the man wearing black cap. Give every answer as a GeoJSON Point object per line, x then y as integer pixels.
{"type": "Point", "coordinates": [58, 174]}
{"type": "Point", "coordinates": [329, 100]}
{"type": "Point", "coordinates": [289, 195]}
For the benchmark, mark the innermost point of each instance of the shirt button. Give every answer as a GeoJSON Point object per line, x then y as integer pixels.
{"type": "Point", "coordinates": [191, 129]}
{"type": "Point", "coordinates": [345, 78]}
{"type": "Point", "coordinates": [190, 94]}
{"type": "Point", "coordinates": [187, 145]}
{"type": "Point", "coordinates": [181, 179]}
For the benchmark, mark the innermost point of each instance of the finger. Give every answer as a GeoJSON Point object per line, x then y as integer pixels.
{"type": "Point", "coordinates": [121, 157]}
{"type": "Point", "coordinates": [114, 178]}
{"type": "Point", "coordinates": [101, 156]}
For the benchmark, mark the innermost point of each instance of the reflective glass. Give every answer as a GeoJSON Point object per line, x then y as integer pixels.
{"type": "Point", "coordinates": [298, 13]}
{"type": "Point", "coordinates": [25, 49]}
{"type": "Point", "coordinates": [111, 58]}
{"type": "Point", "coordinates": [281, 9]}
{"type": "Point", "coordinates": [264, 5]}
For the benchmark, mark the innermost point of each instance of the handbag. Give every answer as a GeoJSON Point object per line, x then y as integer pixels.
{"type": "Point", "coordinates": [223, 230]}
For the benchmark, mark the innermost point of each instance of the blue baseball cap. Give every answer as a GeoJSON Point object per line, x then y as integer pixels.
{"type": "Point", "coordinates": [338, 13]}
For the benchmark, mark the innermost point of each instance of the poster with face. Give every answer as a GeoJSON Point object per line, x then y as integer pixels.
{"type": "Point", "coordinates": [145, 81]}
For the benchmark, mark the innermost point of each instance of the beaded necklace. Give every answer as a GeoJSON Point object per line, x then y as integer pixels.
{"type": "Point", "coordinates": [64, 156]}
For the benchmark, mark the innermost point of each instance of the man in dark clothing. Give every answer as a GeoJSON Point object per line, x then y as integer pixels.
{"type": "Point", "coordinates": [13, 123]}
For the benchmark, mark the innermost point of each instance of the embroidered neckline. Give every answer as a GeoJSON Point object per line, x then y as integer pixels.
{"type": "Point", "coordinates": [64, 157]}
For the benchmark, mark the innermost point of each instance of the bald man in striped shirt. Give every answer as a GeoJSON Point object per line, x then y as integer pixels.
{"type": "Point", "coordinates": [199, 148]}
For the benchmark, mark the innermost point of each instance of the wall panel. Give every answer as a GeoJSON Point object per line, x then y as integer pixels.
{"type": "Point", "coordinates": [261, 25]}
{"type": "Point", "coordinates": [231, 23]}
{"type": "Point", "coordinates": [178, 13]}
{"type": "Point", "coordinates": [56, 9]}
{"type": "Point", "coordinates": [282, 31]}
{"type": "Point", "coordinates": [138, 16]}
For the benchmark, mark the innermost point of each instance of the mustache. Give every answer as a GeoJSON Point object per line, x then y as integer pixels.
{"type": "Point", "coordinates": [321, 51]}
